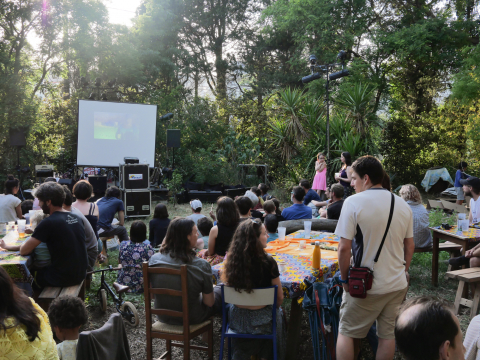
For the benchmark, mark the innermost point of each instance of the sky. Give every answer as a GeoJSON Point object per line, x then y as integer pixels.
{"type": "Point", "coordinates": [121, 11]}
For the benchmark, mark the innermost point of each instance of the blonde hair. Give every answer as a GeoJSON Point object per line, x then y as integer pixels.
{"type": "Point", "coordinates": [410, 192]}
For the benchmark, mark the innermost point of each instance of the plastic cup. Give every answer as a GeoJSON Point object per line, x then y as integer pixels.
{"type": "Point", "coordinates": [461, 216]}
{"type": "Point", "coordinates": [21, 227]}
{"type": "Point", "coordinates": [3, 229]}
{"type": "Point", "coordinates": [465, 225]}
{"type": "Point", "coordinates": [307, 225]}
{"type": "Point", "coordinates": [302, 245]}
{"type": "Point", "coordinates": [281, 233]}
{"type": "Point", "coordinates": [11, 226]}
{"type": "Point", "coordinates": [281, 267]}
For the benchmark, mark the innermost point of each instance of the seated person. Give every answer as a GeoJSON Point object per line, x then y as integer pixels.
{"type": "Point", "coordinates": [67, 314]}
{"type": "Point", "coordinates": [254, 198]}
{"type": "Point", "coordinates": [26, 206]}
{"type": "Point", "coordinates": [244, 205]}
{"type": "Point", "coordinates": [24, 326]}
{"type": "Point", "coordinates": [422, 235]}
{"type": "Point", "coordinates": [204, 225]}
{"type": "Point", "coordinates": [10, 205]}
{"type": "Point", "coordinates": [472, 339]}
{"type": "Point", "coordinates": [108, 206]}
{"type": "Point", "coordinates": [264, 191]}
{"type": "Point", "coordinates": [278, 209]}
{"type": "Point", "coordinates": [310, 194]}
{"type": "Point", "coordinates": [258, 193]}
{"type": "Point", "coordinates": [323, 204]}
{"type": "Point", "coordinates": [177, 250]}
{"type": "Point", "coordinates": [83, 191]}
{"type": "Point", "coordinates": [91, 240]}
{"type": "Point", "coordinates": [158, 225]}
{"type": "Point", "coordinates": [271, 224]}
{"type": "Point", "coordinates": [270, 207]}
{"type": "Point", "coordinates": [69, 258]}
{"type": "Point", "coordinates": [248, 267]}
{"type": "Point", "coordinates": [131, 256]}
{"type": "Point", "coordinates": [427, 328]}
{"type": "Point", "coordinates": [221, 234]}
{"type": "Point", "coordinates": [298, 210]}
{"type": "Point", "coordinates": [334, 207]}
{"type": "Point", "coordinates": [196, 210]}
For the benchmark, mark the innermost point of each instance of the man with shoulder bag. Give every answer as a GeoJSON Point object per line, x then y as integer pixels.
{"type": "Point", "coordinates": [377, 227]}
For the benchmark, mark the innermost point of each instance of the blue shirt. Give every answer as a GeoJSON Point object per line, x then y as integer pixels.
{"type": "Point", "coordinates": [297, 211]}
{"type": "Point", "coordinates": [311, 195]}
{"type": "Point", "coordinates": [272, 237]}
{"type": "Point", "coordinates": [458, 176]}
{"type": "Point", "coordinates": [108, 207]}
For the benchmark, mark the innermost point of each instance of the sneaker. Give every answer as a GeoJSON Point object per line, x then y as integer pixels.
{"type": "Point", "coordinates": [459, 261]}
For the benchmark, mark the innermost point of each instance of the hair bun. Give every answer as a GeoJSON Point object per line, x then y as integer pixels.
{"type": "Point", "coordinates": [10, 177]}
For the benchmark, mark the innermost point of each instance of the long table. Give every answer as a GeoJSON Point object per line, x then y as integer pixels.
{"type": "Point", "coordinates": [17, 266]}
{"type": "Point", "coordinates": [297, 269]}
{"type": "Point", "coordinates": [467, 239]}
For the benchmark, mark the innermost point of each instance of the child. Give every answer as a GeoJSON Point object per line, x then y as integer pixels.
{"type": "Point", "coordinates": [271, 224]}
{"type": "Point", "coordinates": [204, 226]}
{"type": "Point", "coordinates": [320, 179]}
{"type": "Point", "coordinates": [67, 314]}
{"type": "Point", "coordinates": [131, 256]}
{"type": "Point", "coordinates": [258, 193]}
{"type": "Point", "coordinates": [271, 207]}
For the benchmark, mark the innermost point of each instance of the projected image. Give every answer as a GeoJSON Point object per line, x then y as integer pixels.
{"type": "Point", "coordinates": [116, 126]}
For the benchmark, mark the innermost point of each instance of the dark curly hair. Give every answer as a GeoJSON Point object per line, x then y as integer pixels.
{"type": "Point", "coordinates": [10, 184]}
{"type": "Point", "coordinates": [227, 212]}
{"type": "Point", "coordinates": [246, 257]}
{"type": "Point", "coordinates": [67, 312]}
{"type": "Point", "coordinates": [176, 240]}
{"type": "Point", "coordinates": [83, 190]}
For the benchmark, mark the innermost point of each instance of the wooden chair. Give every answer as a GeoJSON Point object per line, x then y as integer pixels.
{"type": "Point", "coordinates": [160, 330]}
{"type": "Point", "coordinates": [470, 276]}
{"type": "Point", "coordinates": [50, 293]}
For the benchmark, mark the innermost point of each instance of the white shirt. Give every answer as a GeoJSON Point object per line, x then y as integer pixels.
{"type": "Point", "coordinates": [8, 203]}
{"type": "Point", "coordinates": [472, 340]}
{"type": "Point", "coordinates": [364, 217]}
{"type": "Point", "coordinates": [67, 350]}
{"type": "Point", "coordinates": [475, 209]}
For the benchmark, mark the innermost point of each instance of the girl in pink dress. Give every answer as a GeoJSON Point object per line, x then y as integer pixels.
{"type": "Point", "coordinates": [320, 180]}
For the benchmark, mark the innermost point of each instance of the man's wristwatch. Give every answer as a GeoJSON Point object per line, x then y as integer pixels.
{"type": "Point", "coordinates": [342, 281]}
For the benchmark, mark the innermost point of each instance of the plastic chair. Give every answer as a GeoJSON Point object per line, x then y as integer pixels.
{"type": "Point", "coordinates": [160, 330]}
{"type": "Point", "coordinates": [259, 297]}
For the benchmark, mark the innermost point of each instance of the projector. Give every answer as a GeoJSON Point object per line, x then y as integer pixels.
{"type": "Point", "coordinates": [131, 160]}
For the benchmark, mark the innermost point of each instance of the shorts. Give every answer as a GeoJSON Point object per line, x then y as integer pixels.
{"type": "Point", "coordinates": [460, 194]}
{"type": "Point", "coordinates": [357, 315]}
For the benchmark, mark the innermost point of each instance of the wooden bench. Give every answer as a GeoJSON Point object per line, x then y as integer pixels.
{"type": "Point", "coordinates": [452, 248]}
{"type": "Point", "coordinates": [49, 293]}
{"type": "Point", "coordinates": [471, 276]}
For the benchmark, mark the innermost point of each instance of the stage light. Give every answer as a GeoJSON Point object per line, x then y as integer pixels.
{"type": "Point", "coordinates": [339, 74]}
{"type": "Point", "coordinates": [166, 117]}
{"type": "Point", "coordinates": [313, 59]}
{"type": "Point", "coordinates": [307, 79]}
{"type": "Point", "coordinates": [342, 56]}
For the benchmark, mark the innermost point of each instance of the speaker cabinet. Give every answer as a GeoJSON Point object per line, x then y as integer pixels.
{"type": "Point", "coordinates": [134, 176]}
{"type": "Point", "coordinates": [68, 182]}
{"type": "Point", "coordinates": [173, 138]}
{"type": "Point", "coordinates": [18, 138]}
{"type": "Point", "coordinates": [137, 203]}
{"type": "Point", "coordinates": [99, 184]}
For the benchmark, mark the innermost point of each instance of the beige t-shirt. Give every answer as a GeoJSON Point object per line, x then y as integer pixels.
{"type": "Point", "coordinates": [364, 219]}
{"type": "Point", "coordinates": [8, 203]}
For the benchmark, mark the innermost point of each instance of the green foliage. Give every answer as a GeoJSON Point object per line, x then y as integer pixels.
{"type": "Point", "coordinates": [467, 82]}
{"type": "Point", "coordinates": [174, 185]}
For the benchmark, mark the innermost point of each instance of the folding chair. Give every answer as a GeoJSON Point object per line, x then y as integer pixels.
{"type": "Point", "coordinates": [160, 330]}
{"type": "Point", "coordinates": [259, 297]}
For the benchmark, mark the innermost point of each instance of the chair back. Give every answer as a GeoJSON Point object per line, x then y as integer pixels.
{"type": "Point", "coordinates": [258, 297]}
{"type": "Point", "coordinates": [182, 294]}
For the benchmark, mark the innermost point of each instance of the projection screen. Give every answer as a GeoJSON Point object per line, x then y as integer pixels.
{"type": "Point", "coordinates": [110, 131]}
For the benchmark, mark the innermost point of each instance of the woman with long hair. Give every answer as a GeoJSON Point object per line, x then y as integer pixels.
{"type": "Point", "coordinates": [249, 267]}
{"type": "Point", "coordinates": [178, 249]}
{"type": "Point", "coordinates": [10, 205]}
{"type": "Point", "coordinates": [320, 179]}
{"type": "Point", "coordinates": [158, 225]}
{"type": "Point", "coordinates": [25, 331]}
{"type": "Point", "coordinates": [345, 175]}
{"type": "Point", "coordinates": [221, 234]}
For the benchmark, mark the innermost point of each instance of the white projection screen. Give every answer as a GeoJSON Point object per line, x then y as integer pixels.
{"type": "Point", "coordinates": [109, 131]}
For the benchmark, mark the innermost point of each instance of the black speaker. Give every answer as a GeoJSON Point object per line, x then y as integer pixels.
{"type": "Point", "coordinates": [173, 138]}
{"type": "Point", "coordinates": [99, 184]}
{"type": "Point", "coordinates": [137, 203]}
{"type": "Point", "coordinates": [134, 176]}
{"type": "Point", "coordinates": [17, 137]}
{"type": "Point", "coordinates": [68, 182]}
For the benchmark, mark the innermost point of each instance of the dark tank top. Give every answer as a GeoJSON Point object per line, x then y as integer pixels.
{"type": "Point", "coordinates": [224, 238]}
{"type": "Point", "coordinates": [92, 219]}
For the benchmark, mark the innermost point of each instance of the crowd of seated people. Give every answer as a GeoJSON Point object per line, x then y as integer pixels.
{"type": "Point", "coordinates": [298, 210]}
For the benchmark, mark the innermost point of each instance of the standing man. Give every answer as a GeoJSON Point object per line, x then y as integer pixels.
{"type": "Point", "coordinates": [108, 206]}
{"type": "Point", "coordinates": [361, 227]}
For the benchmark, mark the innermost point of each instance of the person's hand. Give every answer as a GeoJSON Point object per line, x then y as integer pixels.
{"type": "Point", "coordinates": [28, 231]}
{"type": "Point", "coordinates": [345, 287]}
{"type": "Point", "coordinates": [2, 244]}
{"type": "Point", "coordinates": [206, 253]}
{"type": "Point", "coordinates": [469, 253]}
{"type": "Point", "coordinates": [408, 277]}
{"type": "Point", "coordinates": [212, 215]}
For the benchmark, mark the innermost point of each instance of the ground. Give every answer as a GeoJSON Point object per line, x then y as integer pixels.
{"type": "Point", "coordinates": [420, 272]}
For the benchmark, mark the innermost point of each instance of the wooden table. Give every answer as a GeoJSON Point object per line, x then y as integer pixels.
{"type": "Point", "coordinates": [467, 239]}
{"type": "Point", "coordinates": [17, 266]}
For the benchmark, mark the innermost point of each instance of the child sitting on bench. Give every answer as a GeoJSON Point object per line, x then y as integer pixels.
{"type": "Point", "coordinates": [67, 314]}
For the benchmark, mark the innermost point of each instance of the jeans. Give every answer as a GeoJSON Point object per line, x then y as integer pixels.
{"type": "Point", "coordinates": [118, 230]}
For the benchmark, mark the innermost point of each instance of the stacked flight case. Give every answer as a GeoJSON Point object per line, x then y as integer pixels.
{"type": "Point", "coordinates": [135, 188]}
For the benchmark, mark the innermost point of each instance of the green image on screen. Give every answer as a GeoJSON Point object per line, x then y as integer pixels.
{"type": "Point", "coordinates": [115, 126]}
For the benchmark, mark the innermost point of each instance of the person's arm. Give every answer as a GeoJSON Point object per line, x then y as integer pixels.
{"type": "Point", "coordinates": [470, 217]}
{"type": "Point", "coordinates": [348, 171]}
{"type": "Point", "coordinates": [121, 218]}
{"type": "Point", "coordinates": [277, 282]}
{"type": "Point", "coordinates": [321, 166]}
{"type": "Point", "coordinates": [208, 299]}
{"type": "Point", "coordinates": [28, 246]}
{"type": "Point", "coordinates": [5, 246]}
{"type": "Point", "coordinates": [151, 233]}
{"type": "Point", "coordinates": [96, 211]}
{"type": "Point", "coordinates": [344, 254]}
{"type": "Point", "coordinates": [18, 210]}
{"type": "Point", "coordinates": [211, 240]}
{"type": "Point", "coordinates": [408, 248]}
{"type": "Point", "coordinates": [319, 203]}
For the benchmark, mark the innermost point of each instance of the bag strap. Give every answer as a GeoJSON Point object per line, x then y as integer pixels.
{"type": "Point", "coordinates": [392, 206]}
